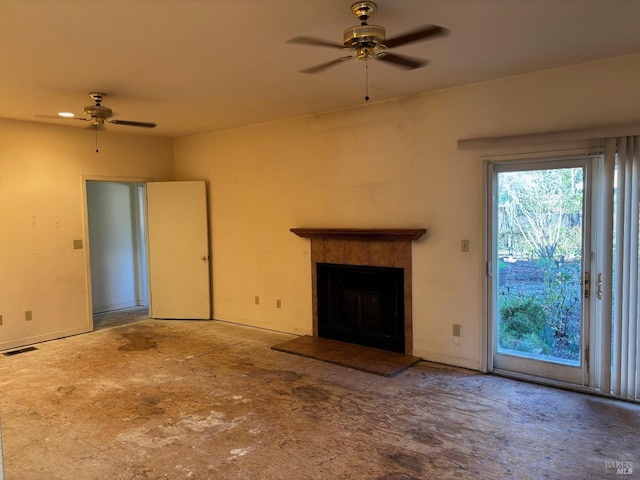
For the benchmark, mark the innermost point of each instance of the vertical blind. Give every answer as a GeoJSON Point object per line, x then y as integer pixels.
{"type": "Point", "coordinates": [625, 344]}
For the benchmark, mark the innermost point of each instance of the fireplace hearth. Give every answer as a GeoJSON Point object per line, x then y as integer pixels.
{"type": "Point", "coordinates": [366, 273]}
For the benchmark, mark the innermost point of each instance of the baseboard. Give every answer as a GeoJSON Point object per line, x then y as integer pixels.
{"type": "Point", "coordinates": [43, 338]}
{"type": "Point", "coordinates": [449, 360]}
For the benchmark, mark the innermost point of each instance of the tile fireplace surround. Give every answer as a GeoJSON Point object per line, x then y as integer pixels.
{"type": "Point", "coordinates": [365, 247]}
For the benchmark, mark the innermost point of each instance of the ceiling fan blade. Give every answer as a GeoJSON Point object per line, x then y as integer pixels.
{"type": "Point", "coordinates": [133, 124]}
{"type": "Point", "coordinates": [59, 117]}
{"type": "Point", "coordinates": [56, 117]}
{"type": "Point", "coordinates": [323, 66]}
{"type": "Point", "coordinates": [402, 61]}
{"type": "Point", "coordinates": [317, 42]}
{"type": "Point", "coordinates": [419, 34]}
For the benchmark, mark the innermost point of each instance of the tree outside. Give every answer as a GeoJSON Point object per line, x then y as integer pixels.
{"type": "Point", "coordinates": [540, 253]}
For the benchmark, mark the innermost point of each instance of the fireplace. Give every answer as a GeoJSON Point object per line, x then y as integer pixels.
{"type": "Point", "coordinates": [361, 304]}
{"type": "Point", "coordinates": [366, 273]}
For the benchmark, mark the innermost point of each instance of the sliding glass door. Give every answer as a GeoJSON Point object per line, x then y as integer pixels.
{"type": "Point", "coordinates": [563, 262]}
{"type": "Point", "coordinates": [538, 276]}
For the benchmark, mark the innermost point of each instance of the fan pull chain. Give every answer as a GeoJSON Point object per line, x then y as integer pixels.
{"type": "Point", "coordinates": [366, 79]}
{"type": "Point", "coordinates": [95, 127]}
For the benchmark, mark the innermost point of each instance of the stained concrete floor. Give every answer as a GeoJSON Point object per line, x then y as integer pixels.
{"type": "Point", "coordinates": [211, 400]}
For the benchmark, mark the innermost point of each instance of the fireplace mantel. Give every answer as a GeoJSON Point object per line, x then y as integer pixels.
{"type": "Point", "coordinates": [374, 247]}
{"type": "Point", "coordinates": [385, 234]}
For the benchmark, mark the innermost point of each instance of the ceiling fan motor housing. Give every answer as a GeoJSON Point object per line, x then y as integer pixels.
{"type": "Point", "coordinates": [98, 111]}
{"type": "Point", "coordinates": [365, 39]}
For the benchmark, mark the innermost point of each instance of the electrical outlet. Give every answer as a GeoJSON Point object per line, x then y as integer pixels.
{"type": "Point", "coordinates": [456, 330]}
{"type": "Point", "coordinates": [257, 300]}
{"type": "Point", "coordinates": [28, 315]}
{"type": "Point", "coordinates": [464, 245]}
{"type": "Point", "coordinates": [278, 303]}
{"type": "Point", "coordinates": [77, 244]}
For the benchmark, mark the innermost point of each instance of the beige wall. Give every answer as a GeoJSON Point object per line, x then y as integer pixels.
{"type": "Point", "coordinates": [392, 164]}
{"type": "Point", "coordinates": [41, 212]}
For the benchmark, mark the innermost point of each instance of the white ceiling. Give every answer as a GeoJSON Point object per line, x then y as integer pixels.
{"type": "Point", "coordinates": [195, 66]}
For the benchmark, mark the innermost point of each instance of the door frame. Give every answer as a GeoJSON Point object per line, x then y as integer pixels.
{"type": "Point", "coordinates": [85, 233]}
{"type": "Point", "coordinates": [568, 159]}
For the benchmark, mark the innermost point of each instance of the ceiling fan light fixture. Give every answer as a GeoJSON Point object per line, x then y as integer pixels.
{"type": "Point", "coordinates": [66, 114]}
{"type": "Point", "coordinates": [364, 53]}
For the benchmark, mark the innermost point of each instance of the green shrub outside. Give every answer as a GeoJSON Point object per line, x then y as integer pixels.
{"type": "Point", "coordinates": [547, 323]}
{"type": "Point", "coordinates": [522, 323]}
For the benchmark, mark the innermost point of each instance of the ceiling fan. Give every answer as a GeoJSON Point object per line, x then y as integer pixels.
{"type": "Point", "coordinates": [366, 41]}
{"type": "Point", "coordinates": [98, 114]}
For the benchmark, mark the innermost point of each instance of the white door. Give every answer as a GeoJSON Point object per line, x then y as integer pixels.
{"type": "Point", "coordinates": [178, 239]}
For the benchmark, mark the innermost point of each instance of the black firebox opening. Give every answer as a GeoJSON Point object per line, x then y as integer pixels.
{"type": "Point", "coordinates": [362, 305]}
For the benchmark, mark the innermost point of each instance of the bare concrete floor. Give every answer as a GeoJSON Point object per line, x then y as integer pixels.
{"type": "Point", "coordinates": [210, 400]}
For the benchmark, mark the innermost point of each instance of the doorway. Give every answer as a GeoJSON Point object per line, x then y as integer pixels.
{"type": "Point", "coordinates": [118, 257]}
{"type": "Point", "coordinates": [537, 269]}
